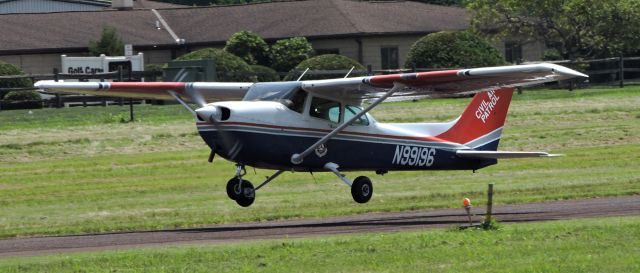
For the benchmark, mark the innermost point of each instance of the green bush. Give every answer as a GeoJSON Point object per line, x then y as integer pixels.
{"type": "Point", "coordinates": [287, 53]}
{"type": "Point", "coordinates": [325, 62]}
{"type": "Point", "coordinates": [230, 68]}
{"type": "Point", "coordinates": [551, 55]}
{"type": "Point", "coordinates": [7, 69]}
{"type": "Point", "coordinates": [452, 49]}
{"type": "Point", "coordinates": [154, 67]}
{"type": "Point", "coordinates": [248, 46]}
{"type": "Point", "coordinates": [22, 95]}
{"type": "Point", "coordinates": [264, 74]}
{"type": "Point", "coordinates": [109, 44]}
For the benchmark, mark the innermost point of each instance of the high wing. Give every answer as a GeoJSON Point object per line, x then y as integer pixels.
{"type": "Point", "coordinates": [421, 84]}
{"type": "Point", "coordinates": [194, 91]}
{"type": "Point", "coordinates": [441, 83]}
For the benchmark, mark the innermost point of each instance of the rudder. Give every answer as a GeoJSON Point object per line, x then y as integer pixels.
{"type": "Point", "coordinates": [480, 124]}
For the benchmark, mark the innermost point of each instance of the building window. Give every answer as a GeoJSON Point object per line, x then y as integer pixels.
{"type": "Point", "coordinates": [513, 52]}
{"type": "Point", "coordinates": [389, 56]}
{"type": "Point", "coordinates": [323, 51]}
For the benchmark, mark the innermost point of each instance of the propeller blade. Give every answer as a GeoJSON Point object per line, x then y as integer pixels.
{"type": "Point", "coordinates": [195, 95]}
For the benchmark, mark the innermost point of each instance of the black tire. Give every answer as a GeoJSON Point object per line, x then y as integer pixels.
{"type": "Point", "coordinates": [362, 189]}
{"type": "Point", "coordinates": [248, 194]}
{"type": "Point", "coordinates": [232, 188]}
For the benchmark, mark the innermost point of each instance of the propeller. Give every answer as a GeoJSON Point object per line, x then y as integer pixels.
{"type": "Point", "coordinates": [228, 143]}
{"type": "Point", "coordinates": [212, 114]}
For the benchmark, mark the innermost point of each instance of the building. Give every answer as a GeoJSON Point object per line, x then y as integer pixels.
{"type": "Point", "coordinates": [376, 33]}
{"type": "Point", "coordinates": [43, 6]}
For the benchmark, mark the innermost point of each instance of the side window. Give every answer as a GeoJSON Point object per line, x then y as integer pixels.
{"type": "Point", "coordinates": [297, 101]}
{"type": "Point", "coordinates": [325, 109]}
{"type": "Point", "coordinates": [351, 111]}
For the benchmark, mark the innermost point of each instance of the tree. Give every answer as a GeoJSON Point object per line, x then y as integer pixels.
{"type": "Point", "coordinates": [325, 62]}
{"type": "Point", "coordinates": [230, 68]}
{"type": "Point", "coordinates": [264, 74]}
{"type": "Point", "coordinates": [109, 44]}
{"type": "Point", "coordinates": [248, 46]}
{"type": "Point", "coordinates": [287, 53]}
{"type": "Point", "coordinates": [448, 49]}
{"type": "Point", "coordinates": [575, 28]}
{"type": "Point", "coordinates": [7, 69]}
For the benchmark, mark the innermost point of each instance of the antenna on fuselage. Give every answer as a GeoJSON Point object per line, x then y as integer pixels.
{"type": "Point", "coordinates": [350, 70]}
{"type": "Point", "coordinates": [305, 72]}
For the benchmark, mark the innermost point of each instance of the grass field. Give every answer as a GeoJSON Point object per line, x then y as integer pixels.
{"type": "Point", "coordinates": [588, 245]}
{"type": "Point", "coordinates": [81, 170]}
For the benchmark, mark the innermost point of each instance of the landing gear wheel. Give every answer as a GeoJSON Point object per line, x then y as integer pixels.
{"type": "Point", "coordinates": [233, 189]}
{"type": "Point", "coordinates": [247, 195]}
{"type": "Point", "coordinates": [361, 189]}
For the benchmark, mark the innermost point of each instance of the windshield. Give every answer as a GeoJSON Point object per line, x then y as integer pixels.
{"type": "Point", "coordinates": [272, 91]}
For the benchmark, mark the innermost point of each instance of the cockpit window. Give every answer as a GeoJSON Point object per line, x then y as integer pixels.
{"type": "Point", "coordinates": [296, 103]}
{"type": "Point", "coordinates": [350, 111]}
{"type": "Point", "coordinates": [325, 109]}
{"type": "Point", "coordinates": [272, 91]}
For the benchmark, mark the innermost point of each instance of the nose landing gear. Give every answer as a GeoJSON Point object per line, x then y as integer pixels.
{"type": "Point", "coordinates": [240, 190]}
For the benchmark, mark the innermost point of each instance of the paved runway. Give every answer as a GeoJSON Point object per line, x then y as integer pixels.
{"type": "Point", "coordinates": [372, 222]}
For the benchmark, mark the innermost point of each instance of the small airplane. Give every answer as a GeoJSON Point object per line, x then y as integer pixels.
{"type": "Point", "coordinates": [325, 125]}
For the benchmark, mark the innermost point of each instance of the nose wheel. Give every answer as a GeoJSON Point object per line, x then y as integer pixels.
{"type": "Point", "coordinates": [242, 192]}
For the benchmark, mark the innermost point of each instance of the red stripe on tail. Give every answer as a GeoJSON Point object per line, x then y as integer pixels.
{"type": "Point", "coordinates": [486, 113]}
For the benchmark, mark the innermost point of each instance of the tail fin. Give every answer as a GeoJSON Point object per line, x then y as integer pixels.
{"type": "Point", "coordinates": [480, 125]}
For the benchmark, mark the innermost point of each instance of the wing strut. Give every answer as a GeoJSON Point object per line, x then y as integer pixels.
{"type": "Point", "coordinates": [297, 158]}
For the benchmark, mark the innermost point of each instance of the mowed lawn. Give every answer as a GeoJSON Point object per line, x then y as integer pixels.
{"type": "Point", "coordinates": [67, 171]}
{"type": "Point", "coordinates": [586, 245]}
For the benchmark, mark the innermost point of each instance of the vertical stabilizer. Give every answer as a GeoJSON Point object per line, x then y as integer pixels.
{"type": "Point", "coordinates": [480, 125]}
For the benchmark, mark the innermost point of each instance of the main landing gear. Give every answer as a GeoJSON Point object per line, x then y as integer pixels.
{"type": "Point", "coordinates": [361, 188]}
{"type": "Point", "coordinates": [243, 192]}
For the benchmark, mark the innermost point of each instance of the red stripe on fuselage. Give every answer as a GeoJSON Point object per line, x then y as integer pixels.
{"type": "Point", "coordinates": [425, 138]}
{"type": "Point", "coordinates": [177, 86]}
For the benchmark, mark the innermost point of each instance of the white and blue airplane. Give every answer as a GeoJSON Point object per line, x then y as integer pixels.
{"type": "Point", "coordinates": [325, 125]}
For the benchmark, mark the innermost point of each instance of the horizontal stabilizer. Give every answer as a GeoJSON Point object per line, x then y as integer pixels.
{"type": "Point", "coordinates": [501, 154]}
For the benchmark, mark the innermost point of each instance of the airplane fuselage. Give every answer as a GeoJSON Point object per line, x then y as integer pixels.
{"type": "Point", "coordinates": [265, 134]}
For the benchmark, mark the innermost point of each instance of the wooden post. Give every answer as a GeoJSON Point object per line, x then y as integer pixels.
{"type": "Point", "coordinates": [487, 218]}
{"type": "Point", "coordinates": [131, 109]}
{"type": "Point", "coordinates": [621, 71]}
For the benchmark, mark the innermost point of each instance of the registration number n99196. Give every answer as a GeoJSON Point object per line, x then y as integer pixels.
{"type": "Point", "coordinates": [413, 156]}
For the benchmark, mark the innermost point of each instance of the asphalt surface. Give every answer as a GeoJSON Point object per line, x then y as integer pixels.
{"type": "Point", "coordinates": [372, 222]}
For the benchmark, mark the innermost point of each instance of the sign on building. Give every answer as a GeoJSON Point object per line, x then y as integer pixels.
{"type": "Point", "coordinates": [102, 64]}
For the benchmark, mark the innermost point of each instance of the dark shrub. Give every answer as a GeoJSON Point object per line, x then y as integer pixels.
{"type": "Point", "coordinates": [452, 49]}
{"type": "Point", "coordinates": [230, 68]}
{"type": "Point", "coordinates": [325, 62]}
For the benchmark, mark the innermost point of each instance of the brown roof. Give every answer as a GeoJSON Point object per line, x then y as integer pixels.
{"type": "Point", "coordinates": [211, 25]}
